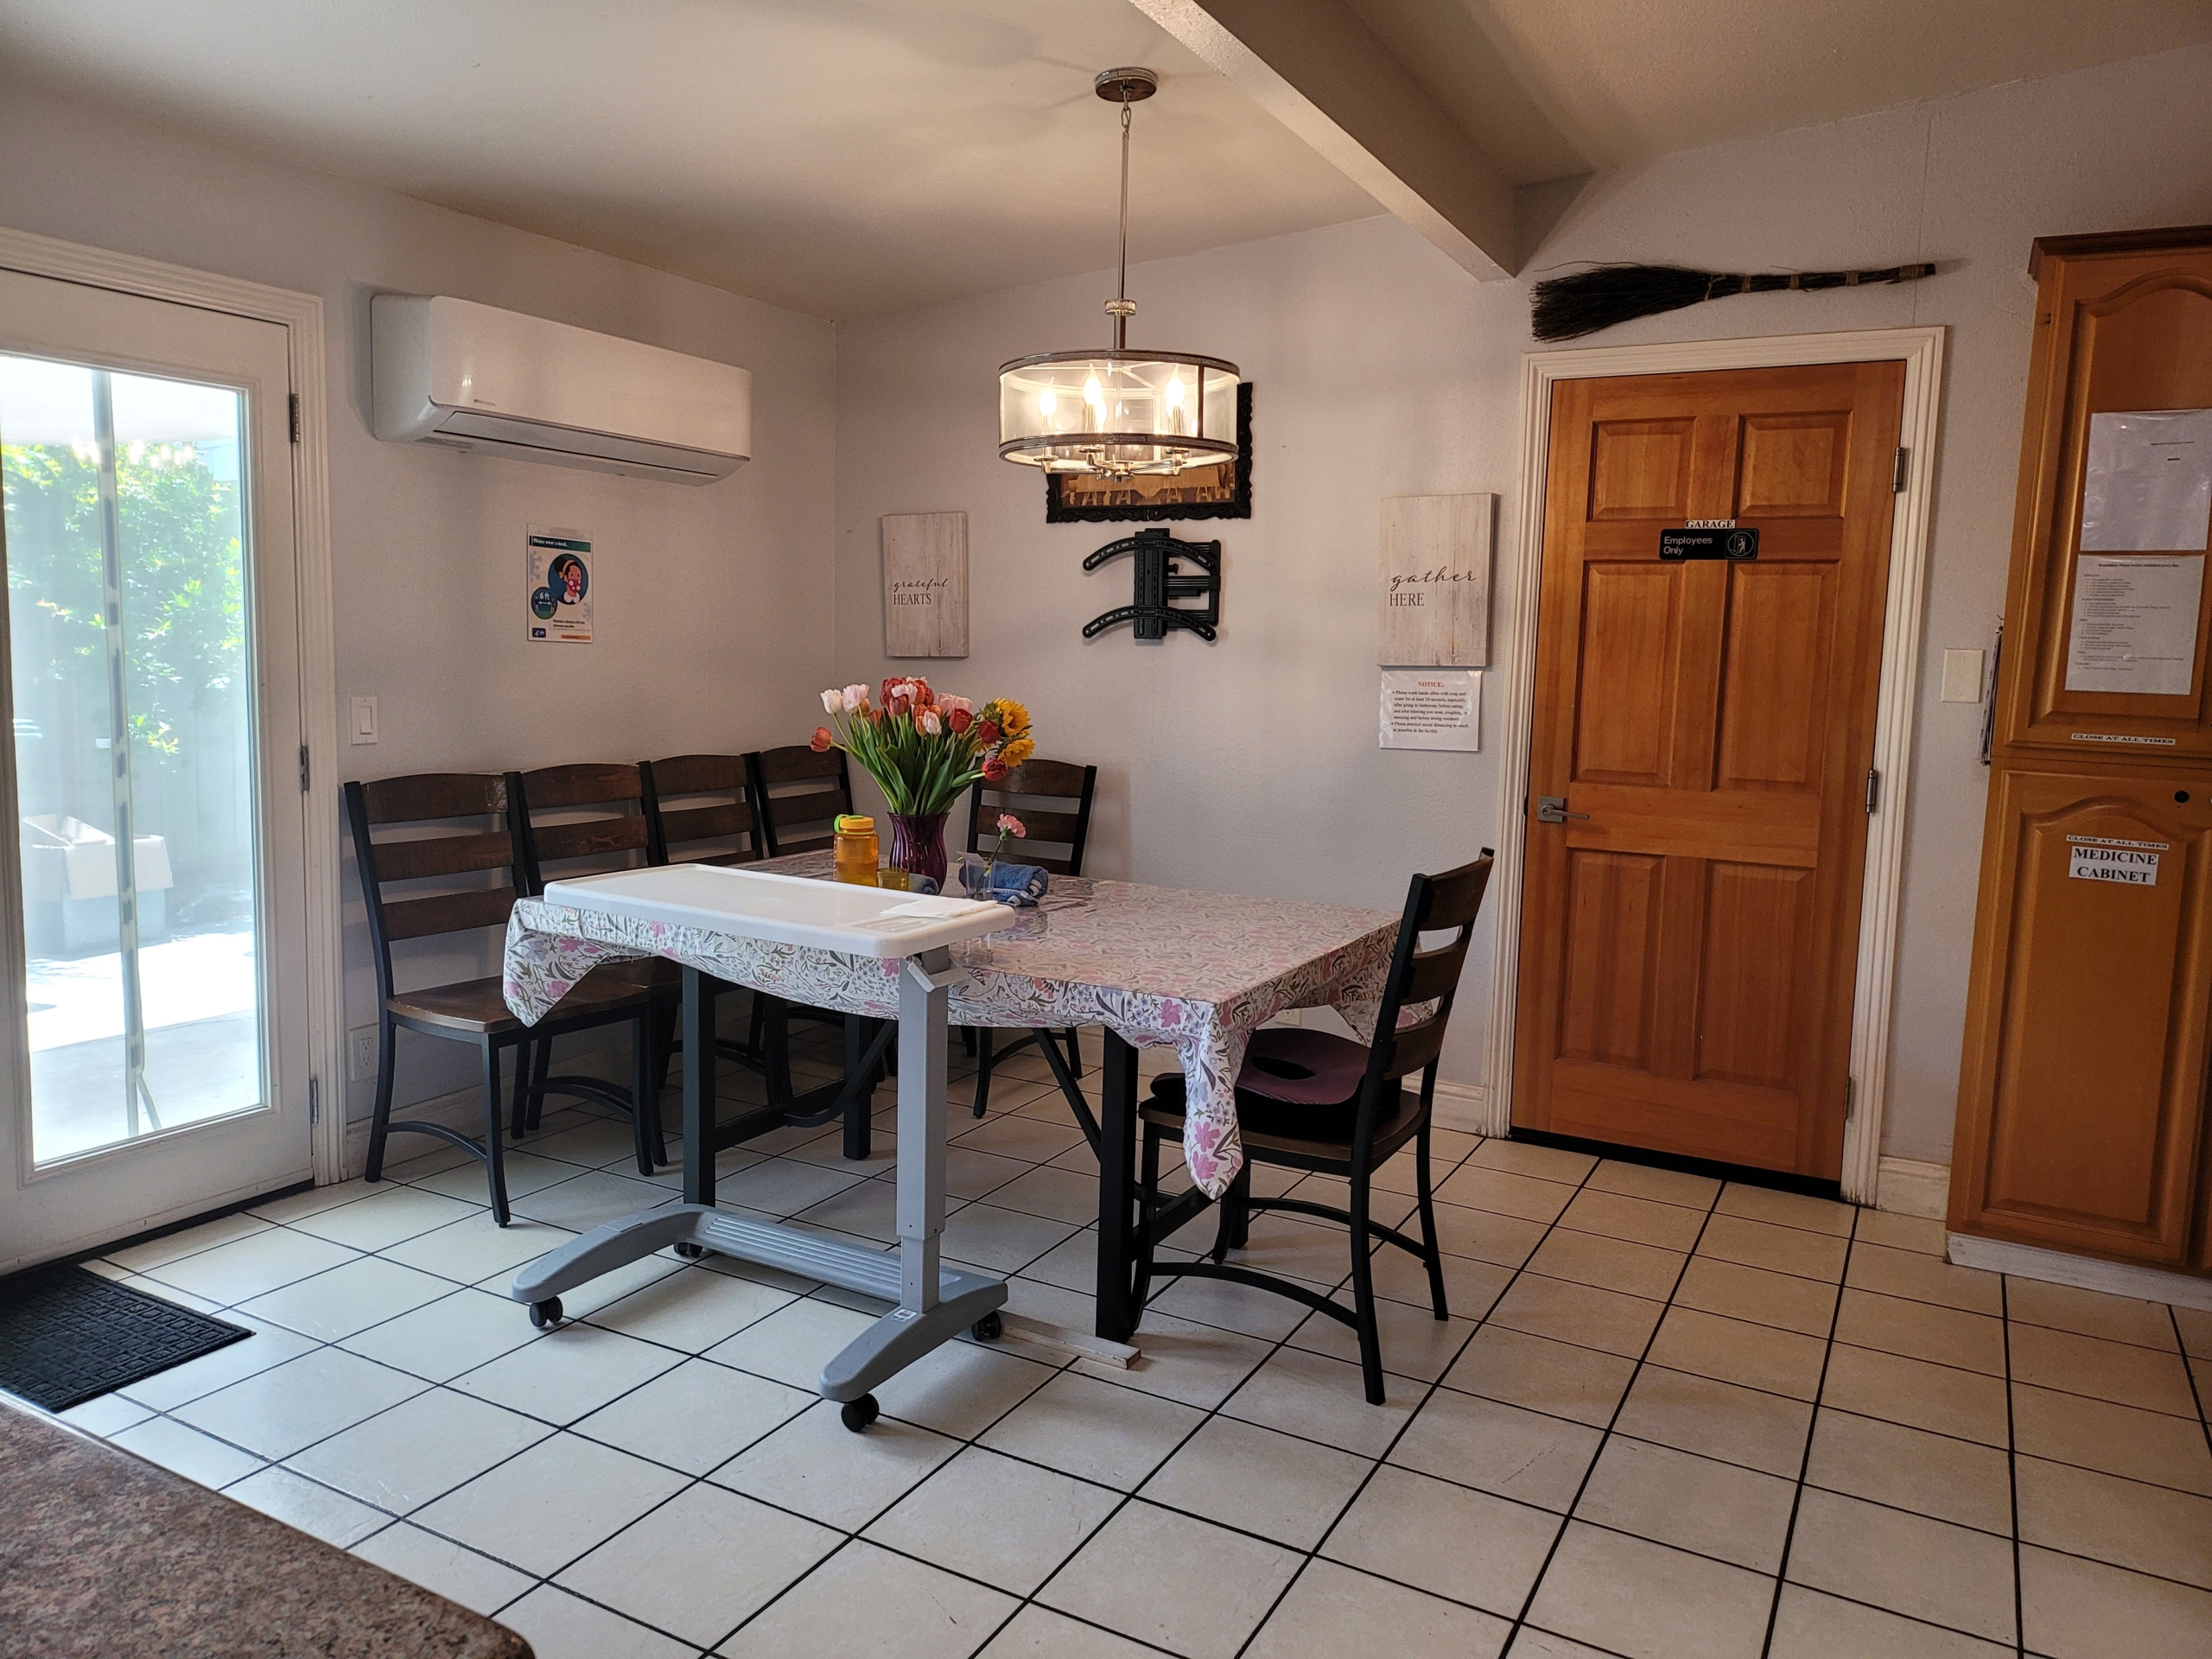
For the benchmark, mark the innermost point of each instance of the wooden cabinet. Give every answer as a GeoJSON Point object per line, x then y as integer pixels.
{"type": "Point", "coordinates": [2082, 1119]}
{"type": "Point", "coordinates": [2084, 1072]}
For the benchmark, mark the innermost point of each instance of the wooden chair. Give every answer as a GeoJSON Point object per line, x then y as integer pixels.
{"type": "Point", "coordinates": [586, 820]}
{"type": "Point", "coordinates": [699, 811]}
{"type": "Point", "coordinates": [1309, 1100]}
{"type": "Point", "coordinates": [1052, 800]}
{"type": "Point", "coordinates": [797, 795]}
{"type": "Point", "coordinates": [460, 849]}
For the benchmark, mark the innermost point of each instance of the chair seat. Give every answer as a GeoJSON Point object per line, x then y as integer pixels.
{"type": "Point", "coordinates": [1306, 1134]}
{"type": "Point", "coordinates": [478, 1006]}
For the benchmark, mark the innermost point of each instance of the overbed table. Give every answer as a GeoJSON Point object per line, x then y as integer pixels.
{"type": "Point", "coordinates": [1197, 971]}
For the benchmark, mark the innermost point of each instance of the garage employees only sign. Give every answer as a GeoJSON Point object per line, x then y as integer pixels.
{"type": "Point", "coordinates": [2091, 858]}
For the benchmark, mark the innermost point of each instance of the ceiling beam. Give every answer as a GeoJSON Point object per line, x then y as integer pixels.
{"type": "Point", "coordinates": [1321, 71]}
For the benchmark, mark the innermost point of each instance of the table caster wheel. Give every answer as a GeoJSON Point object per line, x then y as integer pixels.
{"type": "Point", "coordinates": [857, 1414]}
{"type": "Point", "coordinates": [989, 1328]}
{"type": "Point", "coordinates": [690, 1251]}
{"type": "Point", "coordinates": [545, 1314]}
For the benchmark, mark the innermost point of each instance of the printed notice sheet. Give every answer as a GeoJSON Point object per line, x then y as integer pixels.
{"type": "Point", "coordinates": [1432, 708]}
{"type": "Point", "coordinates": [558, 572]}
{"type": "Point", "coordinates": [2149, 486]}
{"type": "Point", "coordinates": [2130, 863]}
{"type": "Point", "coordinates": [2134, 625]}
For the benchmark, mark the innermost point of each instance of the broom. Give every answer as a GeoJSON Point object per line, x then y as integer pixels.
{"type": "Point", "coordinates": [1568, 308]}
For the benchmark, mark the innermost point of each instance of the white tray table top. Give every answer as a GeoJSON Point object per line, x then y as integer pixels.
{"type": "Point", "coordinates": [783, 909]}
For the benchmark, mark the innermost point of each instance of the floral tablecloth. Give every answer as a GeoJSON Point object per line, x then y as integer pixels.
{"type": "Point", "coordinates": [1200, 971]}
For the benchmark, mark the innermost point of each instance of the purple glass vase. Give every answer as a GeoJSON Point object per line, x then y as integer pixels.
{"type": "Point", "coordinates": [918, 843]}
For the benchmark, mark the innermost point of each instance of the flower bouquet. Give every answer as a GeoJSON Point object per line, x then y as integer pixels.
{"type": "Point", "coordinates": [924, 748]}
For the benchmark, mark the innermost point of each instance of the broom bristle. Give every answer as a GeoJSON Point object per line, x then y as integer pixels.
{"type": "Point", "coordinates": [1584, 301]}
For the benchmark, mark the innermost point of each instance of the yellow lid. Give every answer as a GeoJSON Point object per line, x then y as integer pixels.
{"type": "Point", "coordinates": [853, 823]}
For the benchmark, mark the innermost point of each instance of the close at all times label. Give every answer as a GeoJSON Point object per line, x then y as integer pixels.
{"type": "Point", "coordinates": [2132, 863]}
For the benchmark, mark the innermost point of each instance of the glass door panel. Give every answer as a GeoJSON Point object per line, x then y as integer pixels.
{"type": "Point", "coordinates": [131, 623]}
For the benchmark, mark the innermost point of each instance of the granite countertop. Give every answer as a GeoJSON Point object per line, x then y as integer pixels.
{"type": "Point", "coordinates": [102, 1553]}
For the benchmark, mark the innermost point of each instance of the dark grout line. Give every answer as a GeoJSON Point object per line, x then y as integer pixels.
{"type": "Point", "coordinates": [2012, 1470]}
{"type": "Point", "coordinates": [1605, 1434]}
{"type": "Point", "coordinates": [1805, 1458]}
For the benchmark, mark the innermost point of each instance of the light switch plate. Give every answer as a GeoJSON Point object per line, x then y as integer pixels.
{"type": "Point", "coordinates": [365, 720]}
{"type": "Point", "coordinates": [1961, 676]}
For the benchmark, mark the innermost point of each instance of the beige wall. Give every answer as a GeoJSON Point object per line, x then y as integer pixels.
{"type": "Point", "coordinates": [1379, 369]}
{"type": "Point", "coordinates": [713, 609]}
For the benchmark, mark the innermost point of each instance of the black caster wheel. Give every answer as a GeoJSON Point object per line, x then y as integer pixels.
{"type": "Point", "coordinates": [857, 1414]}
{"type": "Point", "coordinates": [545, 1314]}
{"type": "Point", "coordinates": [690, 1251]}
{"type": "Point", "coordinates": [989, 1328]}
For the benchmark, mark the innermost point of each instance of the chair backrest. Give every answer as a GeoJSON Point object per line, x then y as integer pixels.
{"type": "Point", "coordinates": [699, 811]}
{"type": "Point", "coordinates": [578, 820]}
{"type": "Point", "coordinates": [1418, 995]}
{"type": "Point", "coordinates": [1052, 800]}
{"type": "Point", "coordinates": [797, 795]}
{"type": "Point", "coordinates": [446, 838]}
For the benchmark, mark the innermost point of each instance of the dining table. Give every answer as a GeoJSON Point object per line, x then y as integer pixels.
{"type": "Point", "coordinates": [1196, 971]}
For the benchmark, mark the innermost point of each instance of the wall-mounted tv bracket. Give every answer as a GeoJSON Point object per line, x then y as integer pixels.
{"type": "Point", "coordinates": [1159, 583]}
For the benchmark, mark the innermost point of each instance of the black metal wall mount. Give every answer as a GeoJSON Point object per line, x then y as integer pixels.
{"type": "Point", "coordinates": [1161, 581]}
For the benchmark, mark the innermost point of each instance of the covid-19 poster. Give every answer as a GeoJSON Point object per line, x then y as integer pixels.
{"type": "Point", "coordinates": [560, 571]}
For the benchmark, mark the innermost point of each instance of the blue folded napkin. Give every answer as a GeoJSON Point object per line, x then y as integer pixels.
{"type": "Point", "coordinates": [1018, 885]}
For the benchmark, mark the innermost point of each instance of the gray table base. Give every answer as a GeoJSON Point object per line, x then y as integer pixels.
{"type": "Point", "coordinates": [935, 1303]}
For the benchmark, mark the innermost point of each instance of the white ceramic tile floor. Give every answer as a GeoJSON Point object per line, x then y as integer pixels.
{"type": "Point", "coordinates": [1659, 1429]}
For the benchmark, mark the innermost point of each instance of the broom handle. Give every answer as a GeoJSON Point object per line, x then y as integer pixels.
{"type": "Point", "coordinates": [1768, 282]}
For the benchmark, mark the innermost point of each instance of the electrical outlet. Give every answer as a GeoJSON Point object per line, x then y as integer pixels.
{"type": "Point", "coordinates": [361, 1053]}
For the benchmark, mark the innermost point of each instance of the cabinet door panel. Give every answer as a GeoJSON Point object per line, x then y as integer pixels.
{"type": "Point", "coordinates": [2085, 1054]}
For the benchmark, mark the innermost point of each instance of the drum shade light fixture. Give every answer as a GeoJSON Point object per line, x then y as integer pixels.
{"type": "Point", "coordinates": [1117, 412]}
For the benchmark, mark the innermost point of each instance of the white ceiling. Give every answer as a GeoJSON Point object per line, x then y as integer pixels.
{"type": "Point", "coordinates": [846, 157]}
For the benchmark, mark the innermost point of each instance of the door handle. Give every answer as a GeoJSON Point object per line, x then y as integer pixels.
{"type": "Point", "coordinates": [1552, 809]}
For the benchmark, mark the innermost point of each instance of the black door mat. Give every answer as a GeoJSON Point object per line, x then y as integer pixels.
{"type": "Point", "coordinates": [67, 1336]}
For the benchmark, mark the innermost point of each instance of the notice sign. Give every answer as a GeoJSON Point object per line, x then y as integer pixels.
{"type": "Point", "coordinates": [2133, 863]}
{"type": "Point", "coordinates": [1432, 708]}
{"type": "Point", "coordinates": [559, 572]}
{"type": "Point", "coordinates": [2148, 484]}
{"type": "Point", "coordinates": [2134, 625]}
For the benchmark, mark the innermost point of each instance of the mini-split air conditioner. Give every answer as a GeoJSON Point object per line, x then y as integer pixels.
{"type": "Point", "coordinates": [473, 377]}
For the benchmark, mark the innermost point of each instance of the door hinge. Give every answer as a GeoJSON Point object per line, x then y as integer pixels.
{"type": "Point", "coordinates": [1903, 472]}
{"type": "Point", "coordinates": [1850, 1098]}
{"type": "Point", "coordinates": [314, 1100]}
{"type": "Point", "coordinates": [296, 419]}
{"type": "Point", "coordinates": [304, 773]}
{"type": "Point", "coordinates": [1873, 791]}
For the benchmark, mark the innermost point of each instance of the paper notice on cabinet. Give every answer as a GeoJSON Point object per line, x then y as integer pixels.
{"type": "Point", "coordinates": [1432, 708]}
{"type": "Point", "coordinates": [2149, 485]}
{"type": "Point", "coordinates": [2130, 863]}
{"type": "Point", "coordinates": [2134, 626]}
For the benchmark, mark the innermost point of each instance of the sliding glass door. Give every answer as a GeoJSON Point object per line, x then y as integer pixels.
{"type": "Point", "coordinates": [154, 906]}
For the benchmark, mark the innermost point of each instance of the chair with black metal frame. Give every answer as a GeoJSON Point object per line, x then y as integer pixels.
{"type": "Point", "coordinates": [1027, 793]}
{"type": "Point", "coordinates": [455, 806]}
{"type": "Point", "coordinates": [1309, 1100]}
{"type": "Point", "coordinates": [590, 819]}
{"type": "Point", "coordinates": [702, 809]}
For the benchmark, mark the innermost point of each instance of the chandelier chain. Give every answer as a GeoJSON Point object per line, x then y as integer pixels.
{"type": "Point", "coordinates": [1121, 276]}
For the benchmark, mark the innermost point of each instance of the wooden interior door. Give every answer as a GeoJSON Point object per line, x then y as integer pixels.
{"type": "Point", "coordinates": [1690, 932]}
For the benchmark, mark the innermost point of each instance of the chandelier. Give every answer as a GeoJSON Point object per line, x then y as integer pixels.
{"type": "Point", "coordinates": [1117, 412]}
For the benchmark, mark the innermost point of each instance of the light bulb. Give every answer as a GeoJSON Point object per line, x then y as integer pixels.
{"type": "Point", "coordinates": [1093, 393]}
{"type": "Point", "coordinates": [1046, 400]}
{"type": "Point", "coordinates": [1174, 392]}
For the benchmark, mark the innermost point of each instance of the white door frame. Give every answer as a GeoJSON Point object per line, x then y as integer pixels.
{"type": "Point", "coordinates": [1921, 352]}
{"type": "Point", "coordinates": [300, 317]}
